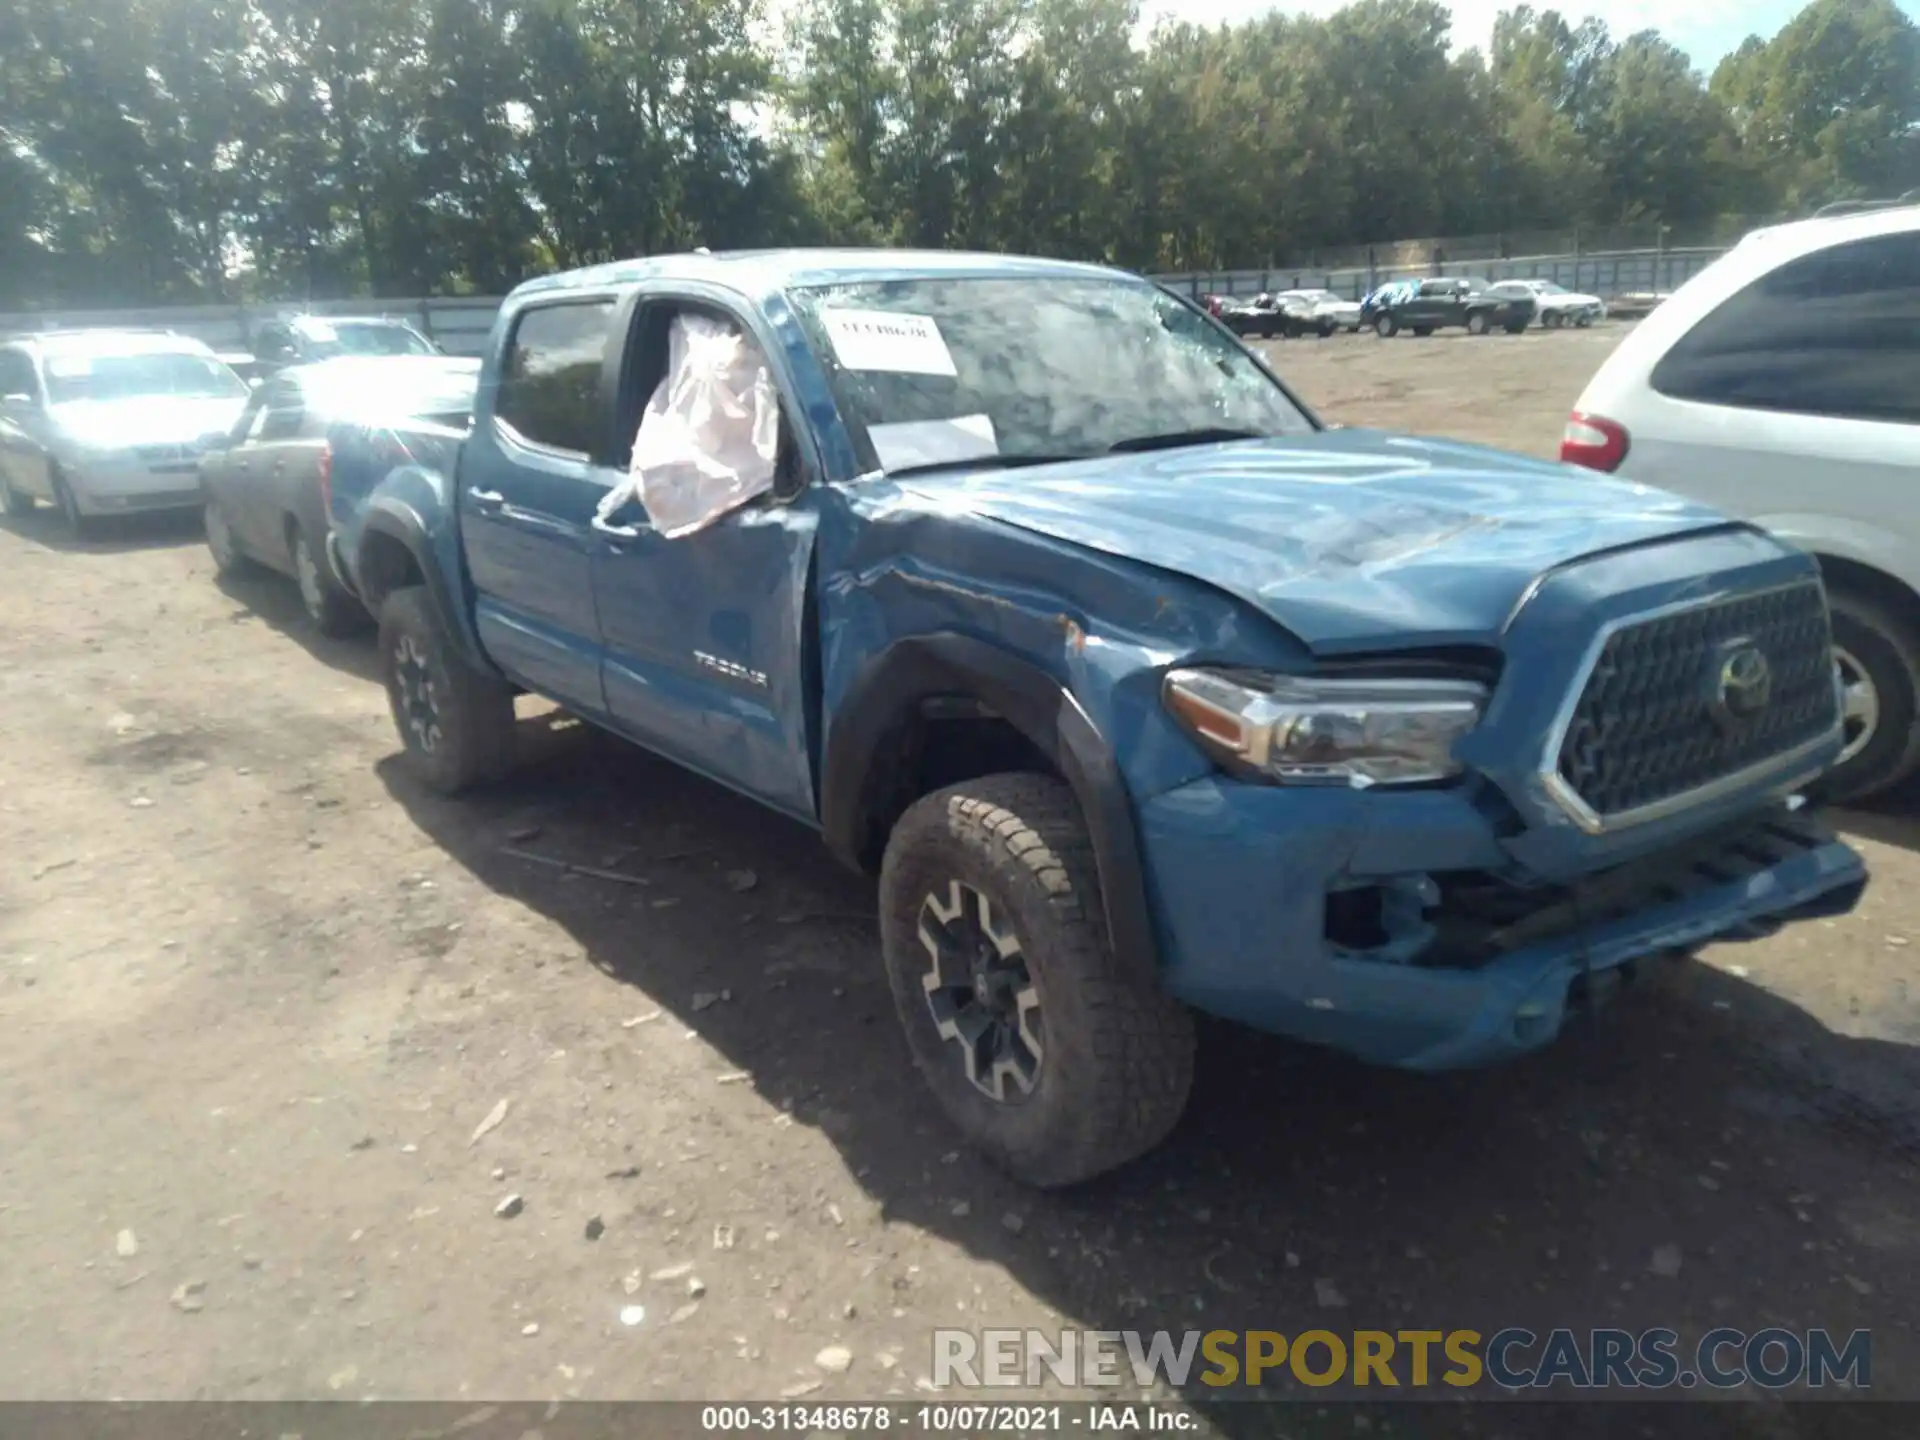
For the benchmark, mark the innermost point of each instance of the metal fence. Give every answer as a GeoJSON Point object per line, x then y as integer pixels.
{"type": "Point", "coordinates": [1608, 274]}
{"type": "Point", "coordinates": [458, 326]}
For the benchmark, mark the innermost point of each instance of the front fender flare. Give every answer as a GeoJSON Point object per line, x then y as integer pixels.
{"type": "Point", "coordinates": [889, 689]}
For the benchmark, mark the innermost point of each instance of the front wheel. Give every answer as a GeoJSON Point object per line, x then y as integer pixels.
{"type": "Point", "coordinates": [1878, 657]}
{"type": "Point", "coordinates": [80, 525]}
{"type": "Point", "coordinates": [1048, 1058]}
{"type": "Point", "coordinates": [1477, 325]}
{"type": "Point", "coordinates": [1585, 322]}
{"type": "Point", "coordinates": [1550, 320]}
{"type": "Point", "coordinates": [1519, 328]}
{"type": "Point", "coordinates": [456, 722]}
{"type": "Point", "coordinates": [228, 557]}
{"type": "Point", "coordinates": [332, 611]}
{"type": "Point", "coordinates": [1421, 332]}
{"type": "Point", "coordinates": [14, 502]}
{"type": "Point", "coordinates": [1386, 327]}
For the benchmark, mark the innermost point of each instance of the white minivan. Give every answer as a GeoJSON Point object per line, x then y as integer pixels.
{"type": "Point", "coordinates": [1782, 385]}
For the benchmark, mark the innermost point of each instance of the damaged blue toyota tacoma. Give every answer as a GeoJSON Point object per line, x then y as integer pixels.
{"type": "Point", "coordinates": [1141, 690]}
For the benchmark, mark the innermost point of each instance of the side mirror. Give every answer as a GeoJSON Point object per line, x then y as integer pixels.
{"type": "Point", "coordinates": [254, 382]}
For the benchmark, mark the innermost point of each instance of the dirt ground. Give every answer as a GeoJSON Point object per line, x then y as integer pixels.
{"type": "Point", "coordinates": [259, 993]}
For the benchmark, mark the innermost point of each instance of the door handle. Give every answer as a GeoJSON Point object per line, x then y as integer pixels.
{"type": "Point", "coordinates": [618, 532]}
{"type": "Point", "coordinates": [486, 499]}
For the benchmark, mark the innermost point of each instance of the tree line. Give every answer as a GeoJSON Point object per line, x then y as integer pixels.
{"type": "Point", "coordinates": [217, 150]}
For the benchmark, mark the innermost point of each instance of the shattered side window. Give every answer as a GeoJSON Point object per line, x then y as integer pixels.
{"type": "Point", "coordinates": [710, 435]}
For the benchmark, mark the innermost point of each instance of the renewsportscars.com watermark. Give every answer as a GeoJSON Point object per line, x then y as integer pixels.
{"type": "Point", "coordinates": [1512, 1359]}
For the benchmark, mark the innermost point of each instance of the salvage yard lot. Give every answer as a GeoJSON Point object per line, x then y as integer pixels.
{"type": "Point", "coordinates": [259, 993]}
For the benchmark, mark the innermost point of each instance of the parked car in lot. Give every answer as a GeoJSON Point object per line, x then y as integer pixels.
{"type": "Point", "coordinates": [268, 484]}
{"type": "Point", "coordinates": [306, 339]}
{"type": "Point", "coordinates": [1782, 384]}
{"type": "Point", "coordinates": [1325, 311]}
{"type": "Point", "coordinates": [1378, 298]}
{"type": "Point", "coordinates": [1555, 305]}
{"type": "Point", "coordinates": [1266, 317]}
{"type": "Point", "coordinates": [1401, 746]}
{"type": "Point", "coordinates": [104, 422]}
{"type": "Point", "coordinates": [1448, 300]}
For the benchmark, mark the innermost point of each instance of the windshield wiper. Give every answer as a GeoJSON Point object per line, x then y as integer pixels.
{"type": "Point", "coordinates": [984, 462]}
{"type": "Point", "coordinates": [1173, 439]}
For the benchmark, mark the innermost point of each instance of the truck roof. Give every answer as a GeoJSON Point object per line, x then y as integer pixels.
{"type": "Point", "coordinates": [762, 271]}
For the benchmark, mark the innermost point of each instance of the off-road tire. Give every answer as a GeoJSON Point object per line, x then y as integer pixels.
{"type": "Point", "coordinates": [1385, 326]}
{"type": "Point", "coordinates": [1888, 649]}
{"type": "Point", "coordinates": [224, 545]}
{"type": "Point", "coordinates": [1117, 1061]}
{"type": "Point", "coordinates": [330, 609]}
{"type": "Point", "coordinates": [470, 739]}
{"type": "Point", "coordinates": [14, 502]}
{"type": "Point", "coordinates": [1478, 325]}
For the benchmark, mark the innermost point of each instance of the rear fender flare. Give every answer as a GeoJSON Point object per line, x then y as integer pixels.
{"type": "Point", "coordinates": [390, 519]}
{"type": "Point", "coordinates": [887, 694]}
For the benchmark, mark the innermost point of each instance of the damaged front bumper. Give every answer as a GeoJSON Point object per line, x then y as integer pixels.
{"type": "Point", "coordinates": [1391, 927]}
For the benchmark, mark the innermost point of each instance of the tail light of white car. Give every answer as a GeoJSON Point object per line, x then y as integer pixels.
{"type": "Point", "coordinates": [1593, 441]}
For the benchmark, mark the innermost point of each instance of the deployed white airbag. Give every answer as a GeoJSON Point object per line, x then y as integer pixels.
{"type": "Point", "coordinates": [708, 439]}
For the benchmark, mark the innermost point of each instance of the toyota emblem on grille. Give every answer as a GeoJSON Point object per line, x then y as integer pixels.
{"type": "Point", "coordinates": [1739, 682]}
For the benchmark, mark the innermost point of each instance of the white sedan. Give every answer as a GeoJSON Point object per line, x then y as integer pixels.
{"type": "Point", "coordinates": [108, 421]}
{"type": "Point", "coordinates": [1555, 304]}
{"type": "Point", "coordinates": [1327, 312]}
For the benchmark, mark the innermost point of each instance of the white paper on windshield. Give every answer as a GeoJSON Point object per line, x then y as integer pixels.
{"type": "Point", "coordinates": [933, 442]}
{"type": "Point", "coordinates": [888, 340]}
{"type": "Point", "coordinates": [69, 367]}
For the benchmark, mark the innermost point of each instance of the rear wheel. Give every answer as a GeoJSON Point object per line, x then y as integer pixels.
{"type": "Point", "coordinates": [1477, 324]}
{"type": "Point", "coordinates": [456, 722]}
{"type": "Point", "coordinates": [1518, 327]}
{"type": "Point", "coordinates": [1878, 657]}
{"type": "Point", "coordinates": [1550, 320]}
{"type": "Point", "coordinates": [1386, 327]}
{"type": "Point", "coordinates": [331, 609]}
{"type": "Point", "coordinates": [1040, 1050]}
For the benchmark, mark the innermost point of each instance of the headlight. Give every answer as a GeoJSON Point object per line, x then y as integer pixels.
{"type": "Point", "coordinates": [1326, 731]}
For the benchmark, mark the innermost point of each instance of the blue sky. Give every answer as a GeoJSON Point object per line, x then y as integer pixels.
{"type": "Point", "coordinates": [1705, 29]}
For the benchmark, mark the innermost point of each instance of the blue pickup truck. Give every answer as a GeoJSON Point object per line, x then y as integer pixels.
{"type": "Point", "coordinates": [1141, 689]}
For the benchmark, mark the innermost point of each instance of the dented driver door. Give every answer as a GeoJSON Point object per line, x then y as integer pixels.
{"type": "Point", "coordinates": [703, 646]}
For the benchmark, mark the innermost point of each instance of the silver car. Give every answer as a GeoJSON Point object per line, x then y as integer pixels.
{"type": "Point", "coordinates": [102, 422]}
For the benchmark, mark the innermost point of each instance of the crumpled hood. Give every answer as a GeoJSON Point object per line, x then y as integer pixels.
{"type": "Point", "coordinates": [146, 420]}
{"type": "Point", "coordinates": [1351, 539]}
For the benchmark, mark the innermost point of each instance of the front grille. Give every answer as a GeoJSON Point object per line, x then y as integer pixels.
{"type": "Point", "coordinates": [1647, 727]}
{"type": "Point", "coordinates": [169, 459]}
